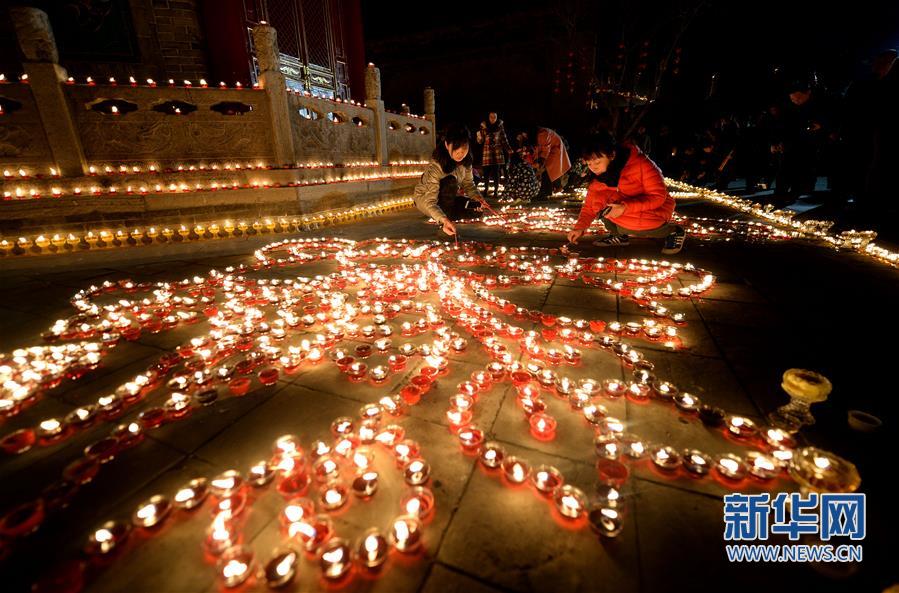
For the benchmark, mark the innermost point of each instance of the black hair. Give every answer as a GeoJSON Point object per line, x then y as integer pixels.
{"type": "Point", "coordinates": [599, 144]}
{"type": "Point", "coordinates": [456, 136]}
{"type": "Point", "coordinates": [604, 144]}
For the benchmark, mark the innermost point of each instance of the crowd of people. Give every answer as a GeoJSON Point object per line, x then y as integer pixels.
{"type": "Point", "coordinates": [804, 134]}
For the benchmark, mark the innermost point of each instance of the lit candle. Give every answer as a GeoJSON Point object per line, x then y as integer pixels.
{"type": "Point", "coordinates": [611, 425]}
{"type": "Point", "coordinates": [696, 462]}
{"type": "Point", "coordinates": [282, 568]}
{"type": "Point", "coordinates": [638, 391]}
{"type": "Point", "coordinates": [221, 534]}
{"type": "Point", "coordinates": [458, 418]}
{"type": "Point", "coordinates": [607, 446]}
{"type": "Point", "coordinates": [226, 484]}
{"type": "Point", "coordinates": [326, 468]}
{"type": "Point", "coordinates": [731, 467]}
{"type": "Point", "coordinates": [312, 533]}
{"type": "Point", "coordinates": [664, 389]}
{"type": "Point", "coordinates": [342, 426]}
{"type": "Point", "coordinates": [778, 438]}
{"type": "Point", "coordinates": [686, 402]}
{"type": "Point", "coordinates": [151, 512]}
{"type": "Point", "coordinates": [405, 534]}
{"type": "Point", "coordinates": [296, 510]}
{"type": "Point", "coordinates": [192, 494]}
{"type": "Point", "coordinates": [665, 458]}
{"type": "Point", "coordinates": [235, 566]}
{"type": "Point", "coordinates": [605, 521]}
{"type": "Point", "coordinates": [365, 483]}
{"type": "Point", "coordinates": [516, 470]}
{"type": "Point", "coordinates": [418, 502]}
{"type": "Point", "coordinates": [261, 473]}
{"type": "Point", "coordinates": [571, 502]}
{"type": "Point", "coordinates": [614, 388]}
{"type": "Point", "coordinates": [50, 430]}
{"type": "Point", "coordinates": [335, 559]}
{"type": "Point", "coordinates": [107, 538]}
{"type": "Point", "coordinates": [633, 447]}
{"type": "Point", "coordinates": [761, 466]}
{"type": "Point", "coordinates": [741, 427]}
{"type": "Point", "coordinates": [471, 437]}
{"type": "Point", "coordinates": [546, 479]}
{"type": "Point", "coordinates": [594, 413]}
{"type": "Point", "coordinates": [416, 472]}
{"type": "Point", "coordinates": [372, 549]}
{"type": "Point", "coordinates": [610, 496]}
{"type": "Point", "coordinates": [543, 426]}
{"type": "Point", "coordinates": [379, 373]}
{"type": "Point", "coordinates": [492, 455]}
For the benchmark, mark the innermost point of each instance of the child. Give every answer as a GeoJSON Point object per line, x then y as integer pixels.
{"type": "Point", "coordinates": [521, 182]}
{"type": "Point", "coordinates": [631, 186]}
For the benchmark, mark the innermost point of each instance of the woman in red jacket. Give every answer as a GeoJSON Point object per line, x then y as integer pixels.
{"type": "Point", "coordinates": [630, 194]}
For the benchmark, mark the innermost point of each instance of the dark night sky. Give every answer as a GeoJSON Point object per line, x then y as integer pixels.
{"type": "Point", "coordinates": [493, 55]}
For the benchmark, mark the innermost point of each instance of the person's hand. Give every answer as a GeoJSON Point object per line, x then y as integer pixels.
{"type": "Point", "coordinates": [616, 210]}
{"type": "Point", "coordinates": [448, 227]}
{"type": "Point", "coordinates": [574, 235]}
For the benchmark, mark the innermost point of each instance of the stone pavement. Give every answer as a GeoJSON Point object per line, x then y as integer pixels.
{"type": "Point", "coordinates": [775, 306]}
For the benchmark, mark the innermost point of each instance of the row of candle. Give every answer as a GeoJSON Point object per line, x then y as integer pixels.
{"type": "Point", "coordinates": [202, 166]}
{"type": "Point", "coordinates": [860, 241]}
{"type": "Point", "coordinates": [517, 219]}
{"type": "Point", "coordinates": [202, 84]}
{"type": "Point", "coordinates": [21, 193]}
{"type": "Point", "coordinates": [133, 237]}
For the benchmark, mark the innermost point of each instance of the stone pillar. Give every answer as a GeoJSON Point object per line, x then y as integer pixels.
{"type": "Point", "coordinates": [46, 76]}
{"type": "Point", "coordinates": [431, 112]}
{"type": "Point", "coordinates": [265, 40]}
{"type": "Point", "coordinates": [379, 115]}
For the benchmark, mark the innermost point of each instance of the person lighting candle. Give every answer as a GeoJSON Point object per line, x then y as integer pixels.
{"type": "Point", "coordinates": [450, 169]}
{"type": "Point", "coordinates": [629, 192]}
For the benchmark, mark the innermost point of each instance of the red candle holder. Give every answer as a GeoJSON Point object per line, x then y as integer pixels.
{"type": "Point", "coordinates": [397, 362]}
{"type": "Point", "coordinates": [268, 376]}
{"type": "Point", "coordinates": [152, 418]}
{"type": "Point", "coordinates": [422, 382]}
{"type": "Point", "coordinates": [543, 426]}
{"type": "Point", "coordinates": [239, 386]}
{"type": "Point", "coordinates": [411, 394]}
{"type": "Point", "coordinates": [611, 471]}
{"type": "Point", "coordinates": [458, 418]}
{"type": "Point", "coordinates": [521, 378]}
{"type": "Point", "coordinates": [18, 442]}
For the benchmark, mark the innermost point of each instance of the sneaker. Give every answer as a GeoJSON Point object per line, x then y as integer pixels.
{"type": "Point", "coordinates": [613, 241]}
{"type": "Point", "coordinates": [674, 242]}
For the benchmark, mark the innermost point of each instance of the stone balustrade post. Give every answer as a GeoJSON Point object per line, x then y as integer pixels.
{"type": "Point", "coordinates": [431, 112]}
{"type": "Point", "coordinates": [46, 76]}
{"type": "Point", "coordinates": [272, 80]}
{"type": "Point", "coordinates": [379, 116]}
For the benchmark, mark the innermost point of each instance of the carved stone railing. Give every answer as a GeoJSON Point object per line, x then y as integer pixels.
{"type": "Point", "coordinates": [51, 125]}
{"type": "Point", "coordinates": [154, 131]}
